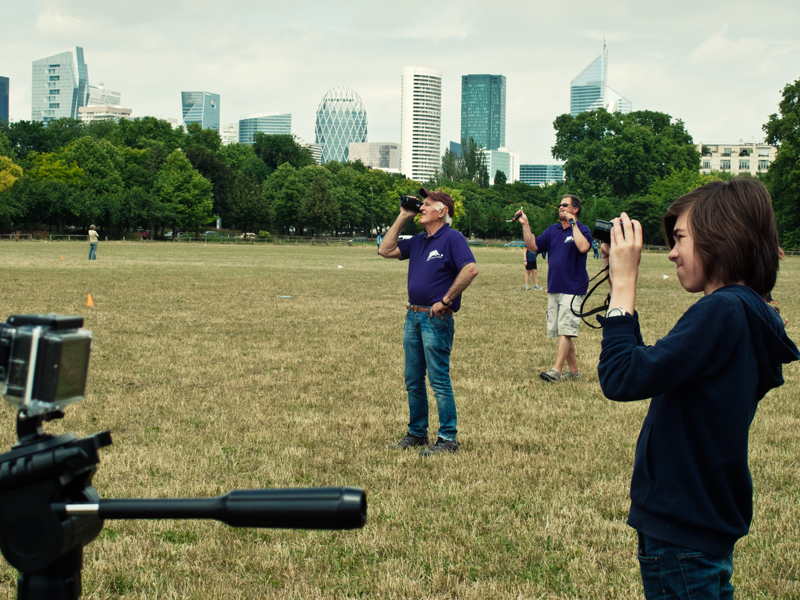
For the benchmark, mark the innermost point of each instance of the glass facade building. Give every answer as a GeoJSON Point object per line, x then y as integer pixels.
{"type": "Point", "coordinates": [541, 174]}
{"type": "Point", "coordinates": [269, 123]}
{"type": "Point", "coordinates": [376, 155]}
{"type": "Point", "coordinates": [589, 90]}
{"type": "Point", "coordinates": [60, 86]}
{"type": "Point", "coordinates": [421, 123]}
{"type": "Point", "coordinates": [4, 93]}
{"type": "Point", "coordinates": [100, 96]}
{"type": "Point", "coordinates": [201, 107]}
{"type": "Point", "coordinates": [341, 119]}
{"type": "Point", "coordinates": [483, 110]}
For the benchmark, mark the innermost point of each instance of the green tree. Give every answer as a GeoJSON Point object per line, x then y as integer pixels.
{"type": "Point", "coordinates": [475, 162]}
{"type": "Point", "coordinates": [178, 184]}
{"type": "Point", "coordinates": [499, 178]}
{"type": "Point", "coordinates": [5, 144]}
{"type": "Point", "coordinates": [196, 137]}
{"type": "Point", "coordinates": [616, 155]}
{"type": "Point", "coordinates": [9, 173]}
{"type": "Point", "coordinates": [29, 136]}
{"type": "Point", "coordinates": [219, 174]}
{"type": "Point", "coordinates": [141, 132]}
{"type": "Point", "coordinates": [275, 150]}
{"type": "Point", "coordinates": [320, 208]}
{"type": "Point", "coordinates": [246, 204]}
{"type": "Point", "coordinates": [783, 176]}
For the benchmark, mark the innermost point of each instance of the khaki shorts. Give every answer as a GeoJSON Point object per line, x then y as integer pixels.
{"type": "Point", "coordinates": [560, 319]}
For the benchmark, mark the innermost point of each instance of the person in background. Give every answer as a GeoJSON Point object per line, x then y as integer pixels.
{"type": "Point", "coordinates": [691, 491]}
{"type": "Point", "coordinates": [92, 243]}
{"type": "Point", "coordinates": [530, 267]}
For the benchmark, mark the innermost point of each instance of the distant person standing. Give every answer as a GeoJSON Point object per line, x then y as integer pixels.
{"type": "Point", "coordinates": [92, 243]}
{"type": "Point", "coordinates": [568, 242]}
{"type": "Point", "coordinates": [530, 267]}
{"type": "Point", "coordinates": [144, 235]}
{"type": "Point", "coordinates": [596, 248]}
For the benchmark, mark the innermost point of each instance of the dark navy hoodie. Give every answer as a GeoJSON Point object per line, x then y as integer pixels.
{"type": "Point", "coordinates": [691, 483]}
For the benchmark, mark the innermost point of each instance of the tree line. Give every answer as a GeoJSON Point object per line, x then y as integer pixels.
{"type": "Point", "coordinates": [145, 173]}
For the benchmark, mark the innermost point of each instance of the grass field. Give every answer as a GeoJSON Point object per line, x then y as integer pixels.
{"type": "Point", "coordinates": [209, 381]}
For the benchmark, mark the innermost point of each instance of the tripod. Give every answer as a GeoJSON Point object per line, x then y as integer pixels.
{"type": "Point", "coordinates": [49, 510]}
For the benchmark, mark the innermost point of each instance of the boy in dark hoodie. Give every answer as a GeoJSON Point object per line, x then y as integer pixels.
{"type": "Point", "coordinates": [691, 491]}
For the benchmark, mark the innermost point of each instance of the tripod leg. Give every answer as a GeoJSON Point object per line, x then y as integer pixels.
{"type": "Point", "coordinates": [59, 581]}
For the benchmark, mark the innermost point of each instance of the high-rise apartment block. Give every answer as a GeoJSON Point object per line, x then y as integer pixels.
{"type": "Point", "coordinates": [420, 122]}
{"type": "Point", "coordinates": [201, 107]}
{"type": "Point", "coordinates": [269, 123]}
{"type": "Point", "coordinates": [376, 155]}
{"type": "Point", "coordinates": [4, 94]}
{"type": "Point", "coordinates": [483, 110]}
{"type": "Point", "coordinates": [100, 96]}
{"type": "Point", "coordinates": [541, 174]}
{"type": "Point", "coordinates": [589, 90]}
{"type": "Point", "coordinates": [60, 86]}
{"type": "Point", "coordinates": [341, 119]}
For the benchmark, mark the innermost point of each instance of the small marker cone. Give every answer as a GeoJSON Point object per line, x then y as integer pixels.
{"type": "Point", "coordinates": [62, 258]}
{"type": "Point", "coordinates": [89, 301]}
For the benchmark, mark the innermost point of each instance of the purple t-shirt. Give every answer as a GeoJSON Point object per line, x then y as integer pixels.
{"type": "Point", "coordinates": [434, 263]}
{"type": "Point", "coordinates": [566, 265]}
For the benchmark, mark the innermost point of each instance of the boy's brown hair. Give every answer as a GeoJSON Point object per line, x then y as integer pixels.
{"type": "Point", "coordinates": [733, 227]}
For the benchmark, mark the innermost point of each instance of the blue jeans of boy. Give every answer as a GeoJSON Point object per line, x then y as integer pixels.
{"type": "Point", "coordinates": [427, 344]}
{"type": "Point", "coordinates": [670, 571]}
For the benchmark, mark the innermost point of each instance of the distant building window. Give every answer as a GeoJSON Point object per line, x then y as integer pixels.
{"type": "Point", "coordinates": [763, 152]}
{"type": "Point", "coordinates": [55, 91]}
{"type": "Point", "coordinates": [54, 105]}
{"type": "Point", "coordinates": [707, 164]}
{"type": "Point", "coordinates": [725, 165]}
{"type": "Point", "coordinates": [744, 165]}
{"type": "Point", "coordinates": [55, 77]}
{"type": "Point", "coordinates": [763, 165]}
{"type": "Point", "coordinates": [744, 151]}
{"type": "Point", "coordinates": [726, 152]}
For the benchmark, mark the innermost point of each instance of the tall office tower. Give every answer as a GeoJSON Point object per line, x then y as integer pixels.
{"type": "Point", "coordinates": [100, 96]}
{"type": "Point", "coordinates": [483, 110]}
{"type": "Point", "coordinates": [420, 122]}
{"type": "Point", "coordinates": [541, 174]}
{"type": "Point", "coordinates": [4, 93]}
{"type": "Point", "coordinates": [201, 107]}
{"type": "Point", "coordinates": [341, 119]}
{"type": "Point", "coordinates": [60, 86]}
{"type": "Point", "coordinates": [269, 123]}
{"type": "Point", "coordinates": [589, 90]}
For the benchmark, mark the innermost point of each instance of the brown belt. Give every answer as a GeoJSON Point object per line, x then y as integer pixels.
{"type": "Point", "coordinates": [415, 308]}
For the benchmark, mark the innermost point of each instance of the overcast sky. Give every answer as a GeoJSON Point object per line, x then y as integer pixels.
{"type": "Point", "coordinates": [718, 66]}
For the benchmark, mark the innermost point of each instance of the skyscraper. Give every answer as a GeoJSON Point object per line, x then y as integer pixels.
{"type": "Point", "coordinates": [201, 107]}
{"type": "Point", "coordinates": [269, 123]}
{"type": "Point", "coordinates": [483, 110]}
{"type": "Point", "coordinates": [4, 93]}
{"type": "Point", "coordinates": [589, 90]}
{"type": "Point", "coordinates": [60, 86]}
{"type": "Point", "coordinates": [420, 122]}
{"type": "Point", "coordinates": [341, 119]}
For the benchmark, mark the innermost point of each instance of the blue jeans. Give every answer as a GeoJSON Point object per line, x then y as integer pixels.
{"type": "Point", "coordinates": [427, 344]}
{"type": "Point", "coordinates": [93, 251]}
{"type": "Point", "coordinates": [670, 571]}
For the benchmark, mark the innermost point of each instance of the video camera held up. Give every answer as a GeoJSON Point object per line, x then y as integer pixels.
{"type": "Point", "coordinates": [602, 231]}
{"type": "Point", "coordinates": [44, 361]}
{"type": "Point", "coordinates": [410, 203]}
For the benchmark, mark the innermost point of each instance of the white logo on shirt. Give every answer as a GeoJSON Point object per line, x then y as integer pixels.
{"type": "Point", "coordinates": [568, 239]}
{"type": "Point", "coordinates": [434, 254]}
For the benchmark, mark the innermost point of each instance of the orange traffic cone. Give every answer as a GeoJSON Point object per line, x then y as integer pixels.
{"type": "Point", "coordinates": [89, 301]}
{"type": "Point", "coordinates": [62, 258]}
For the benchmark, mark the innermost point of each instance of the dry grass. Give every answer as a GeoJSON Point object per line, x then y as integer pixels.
{"type": "Point", "coordinates": [210, 381]}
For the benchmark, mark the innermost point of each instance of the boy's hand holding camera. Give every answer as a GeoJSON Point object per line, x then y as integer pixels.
{"type": "Point", "coordinates": [623, 256]}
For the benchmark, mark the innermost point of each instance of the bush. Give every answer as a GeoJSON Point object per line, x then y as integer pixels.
{"type": "Point", "coordinates": [264, 234]}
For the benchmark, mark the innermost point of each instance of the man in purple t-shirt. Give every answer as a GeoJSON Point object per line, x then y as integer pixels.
{"type": "Point", "coordinates": [566, 243]}
{"type": "Point", "coordinates": [441, 266]}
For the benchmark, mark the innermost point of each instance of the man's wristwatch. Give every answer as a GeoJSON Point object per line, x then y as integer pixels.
{"type": "Point", "coordinates": [616, 312]}
{"type": "Point", "coordinates": [447, 304]}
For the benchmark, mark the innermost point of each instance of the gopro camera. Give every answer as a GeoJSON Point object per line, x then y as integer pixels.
{"type": "Point", "coordinates": [44, 361]}
{"type": "Point", "coordinates": [410, 203]}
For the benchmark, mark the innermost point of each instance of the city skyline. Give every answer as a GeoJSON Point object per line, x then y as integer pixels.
{"type": "Point", "coordinates": [277, 56]}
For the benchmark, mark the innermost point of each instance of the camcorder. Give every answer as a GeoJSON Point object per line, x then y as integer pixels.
{"type": "Point", "coordinates": [602, 231]}
{"type": "Point", "coordinates": [44, 361]}
{"type": "Point", "coordinates": [411, 203]}
{"type": "Point", "coordinates": [49, 510]}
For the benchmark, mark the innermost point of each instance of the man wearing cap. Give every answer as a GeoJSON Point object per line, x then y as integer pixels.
{"type": "Point", "coordinates": [441, 266]}
{"type": "Point", "coordinates": [567, 243]}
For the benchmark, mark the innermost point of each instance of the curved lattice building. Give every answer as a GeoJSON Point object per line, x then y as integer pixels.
{"type": "Point", "coordinates": [341, 119]}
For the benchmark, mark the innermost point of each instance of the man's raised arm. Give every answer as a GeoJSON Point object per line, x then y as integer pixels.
{"type": "Point", "coordinates": [389, 247]}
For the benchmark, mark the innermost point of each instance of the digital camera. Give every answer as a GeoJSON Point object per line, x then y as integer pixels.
{"type": "Point", "coordinates": [44, 361]}
{"type": "Point", "coordinates": [410, 203]}
{"type": "Point", "coordinates": [602, 231]}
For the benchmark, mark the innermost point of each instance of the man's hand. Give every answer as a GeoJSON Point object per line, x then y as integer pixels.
{"type": "Point", "coordinates": [522, 218]}
{"type": "Point", "coordinates": [438, 309]}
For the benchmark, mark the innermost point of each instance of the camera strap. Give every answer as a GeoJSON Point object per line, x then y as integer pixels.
{"type": "Point", "coordinates": [603, 307]}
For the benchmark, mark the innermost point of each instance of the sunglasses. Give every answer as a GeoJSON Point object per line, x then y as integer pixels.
{"type": "Point", "coordinates": [564, 205]}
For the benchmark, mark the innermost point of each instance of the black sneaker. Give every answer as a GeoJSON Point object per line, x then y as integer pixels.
{"type": "Point", "coordinates": [442, 446]}
{"type": "Point", "coordinates": [409, 441]}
